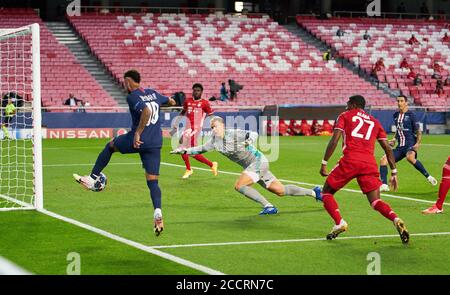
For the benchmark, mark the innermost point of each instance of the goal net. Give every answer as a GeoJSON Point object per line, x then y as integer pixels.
{"type": "Point", "coordinates": [20, 114]}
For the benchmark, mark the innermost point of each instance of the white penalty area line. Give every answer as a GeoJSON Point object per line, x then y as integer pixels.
{"type": "Point", "coordinates": [295, 240]}
{"type": "Point", "coordinates": [134, 244]}
{"type": "Point", "coordinates": [237, 174]}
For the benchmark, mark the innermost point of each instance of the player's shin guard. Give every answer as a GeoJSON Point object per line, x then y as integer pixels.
{"type": "Point", "coordinates": [419, 166]}
{"type": "Point", "coordinates": [102, 160]}
{"type": "Point", "coordinates": [443, 190]}
{"type": "Point", "coordinates": [293, 190]}
{"type": "Point", "coordinates": [155, 192]}
{"type": "Point", "coordinates": [383, 174]}
{"type": "Point", "coordinates": [186, 161]}
{"type": "Point", "coordinates": [203, 160]}
{"type": "Point", "coordinates": [253, 194]}
{"type": "Point", "coordinates": [330, 204]}
{"type": "Point", "coordinates": [384, 209]}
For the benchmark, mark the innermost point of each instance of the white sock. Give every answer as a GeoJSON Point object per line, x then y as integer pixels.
{"type": "Point", "coordinates": [157, 213]}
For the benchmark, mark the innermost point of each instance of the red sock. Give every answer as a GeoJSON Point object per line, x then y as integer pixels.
{"type": "Point", "coordinates": [443, 190]}
{"type": "Point", "coordinates": [202, 159]}
{"type": "Point", "coordinates": [384, 209]}
{"type": "Point", "coordinates": [329, 203]}
{"type": "Point", "coordinates": [186, 161]}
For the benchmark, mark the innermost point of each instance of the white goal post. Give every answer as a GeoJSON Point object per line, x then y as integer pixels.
{"type": "Point", "coordinates": [21, 183]}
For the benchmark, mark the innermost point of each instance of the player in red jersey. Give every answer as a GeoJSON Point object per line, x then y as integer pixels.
{"type": "Point", "coordinates": [195, 109]}
{"type": "Point", "coordinates": [359, 131]}
{"type": "Point", "coordinates": [443, 190]}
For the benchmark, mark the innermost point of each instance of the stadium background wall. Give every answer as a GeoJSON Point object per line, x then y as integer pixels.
{"type": "Point", "coordinates": [123, 120]}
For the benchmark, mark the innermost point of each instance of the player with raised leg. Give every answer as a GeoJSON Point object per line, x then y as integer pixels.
{"type": "Point", "coordinates": [359, 131]}
{"type": "Point", "coordinates": [195, 109]}
{"type": "Point", "coordinates": [144, 138]}
{"type": "Point", "coordinates": [408, 136]}
{"type": "Point", "coordinates": [237, 145]}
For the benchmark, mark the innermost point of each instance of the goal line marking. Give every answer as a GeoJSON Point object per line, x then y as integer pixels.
{"type": "Point", "coordinates": [134, 244]}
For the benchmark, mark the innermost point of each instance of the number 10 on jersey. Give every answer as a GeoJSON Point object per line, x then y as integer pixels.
{"type": "Point", "coordinates": [154, 108]}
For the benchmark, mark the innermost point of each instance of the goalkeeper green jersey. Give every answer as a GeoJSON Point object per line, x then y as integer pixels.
{"type": "Point", "coordinates": [9, 110]}
{"type": "Point", "coordinates": [233, 147]}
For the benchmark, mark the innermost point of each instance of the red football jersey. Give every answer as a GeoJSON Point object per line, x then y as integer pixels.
{"type": "Point", "coordinates": [196, 111]}
{"type": "Point", "coordinates": [360, 131]}
{"type": "Point", "coordinates": [446, 170]}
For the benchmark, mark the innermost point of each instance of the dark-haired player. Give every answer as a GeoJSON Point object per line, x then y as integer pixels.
{"type": "Point", "coordinates": [408, 136]}
{"type": "Point", "coordinates": [144, 138]}
{"type": "Point", "coordinates": [195, 108]}
{"type": "Point", "coordinates": [360, 131]}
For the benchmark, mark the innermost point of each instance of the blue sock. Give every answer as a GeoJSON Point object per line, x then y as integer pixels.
{"type": "Point", "coordinates": [383, 174]}
{"type": "Point", "coordinates": [418, 165]}
{"type": "Point", "coordinates": [102, 160]}
{"type": "Point", "coordinates": [155, 193]}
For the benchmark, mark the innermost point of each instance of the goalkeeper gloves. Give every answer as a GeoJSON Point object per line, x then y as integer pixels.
{"type": "Point", "coordinates": [248, 142]}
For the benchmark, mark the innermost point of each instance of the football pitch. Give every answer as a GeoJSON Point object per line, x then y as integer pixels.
{"type": "Point", "coordinates": [210, 228]}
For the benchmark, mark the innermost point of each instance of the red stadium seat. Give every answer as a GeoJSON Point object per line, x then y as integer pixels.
{"type": "Point", "coordinates": [173, 51]}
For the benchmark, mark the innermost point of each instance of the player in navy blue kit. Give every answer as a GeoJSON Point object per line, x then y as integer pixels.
{"type": "Point", "coordinates": [408, 136]}
{"type": "Point", "coordinates": [144, 138]}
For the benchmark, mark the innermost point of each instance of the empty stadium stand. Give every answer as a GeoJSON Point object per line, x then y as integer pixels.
{"type": "Point", "coordinates": [173, 51]}
{"type": "Point", "coordinates": [61, 74]}
{"type": "Point", "coordinates": [390, 41]}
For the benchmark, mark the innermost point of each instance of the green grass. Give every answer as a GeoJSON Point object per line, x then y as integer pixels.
{"type": "Point", "coordinates": [206, 209]}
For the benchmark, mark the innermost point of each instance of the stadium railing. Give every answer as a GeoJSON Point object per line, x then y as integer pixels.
{"type": "Point", "coordinates": [140, 9]}
{"type": "Point", "coordinates": [435, 16]}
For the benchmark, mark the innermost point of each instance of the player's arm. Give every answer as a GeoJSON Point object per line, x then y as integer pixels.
{"type": "Point", "coordinates": [208, 146]}
{"type": "Point", "coordinates": [337, 133]}
{"type": "Point", "coordinates": [171, 102]}
{"type": "Point", "coordinates": [419, 139]}
{"type": "Point", "coordinates": [250, 138]}
{"type": "Point", "coordinates": [176, 121]}
{"type": "Point", "coordinates": [393, 140]}
{"type": "Point", "coordinates": [145, 116]}
{"type": "Point", "coordinates": [391, 160]}
{"type": "Point", "coordinates": [417, 131]}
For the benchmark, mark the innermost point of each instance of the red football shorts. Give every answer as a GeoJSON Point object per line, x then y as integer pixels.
{"type": "Point", "coordinates": [366, 174]}
{"type": "Point", "coordinates": [446, 172]}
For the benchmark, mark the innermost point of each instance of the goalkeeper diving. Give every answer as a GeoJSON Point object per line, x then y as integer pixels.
{"type": "Point", "coordinates": [237, 145]}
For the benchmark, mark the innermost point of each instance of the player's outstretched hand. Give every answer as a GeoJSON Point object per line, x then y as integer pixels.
{"type": "Point", "coordinates": [393, 182]}
{"type": "Point", "coordinates": [137, 140]}
{"type": "Point", "coordinates": [178, 151]}
{"type": "Point", "coordinates": [323, 170]}
{"type": "Point", "coordinates": [173, 131]}
{"type": "Point", "coordinates": [247, 142]}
